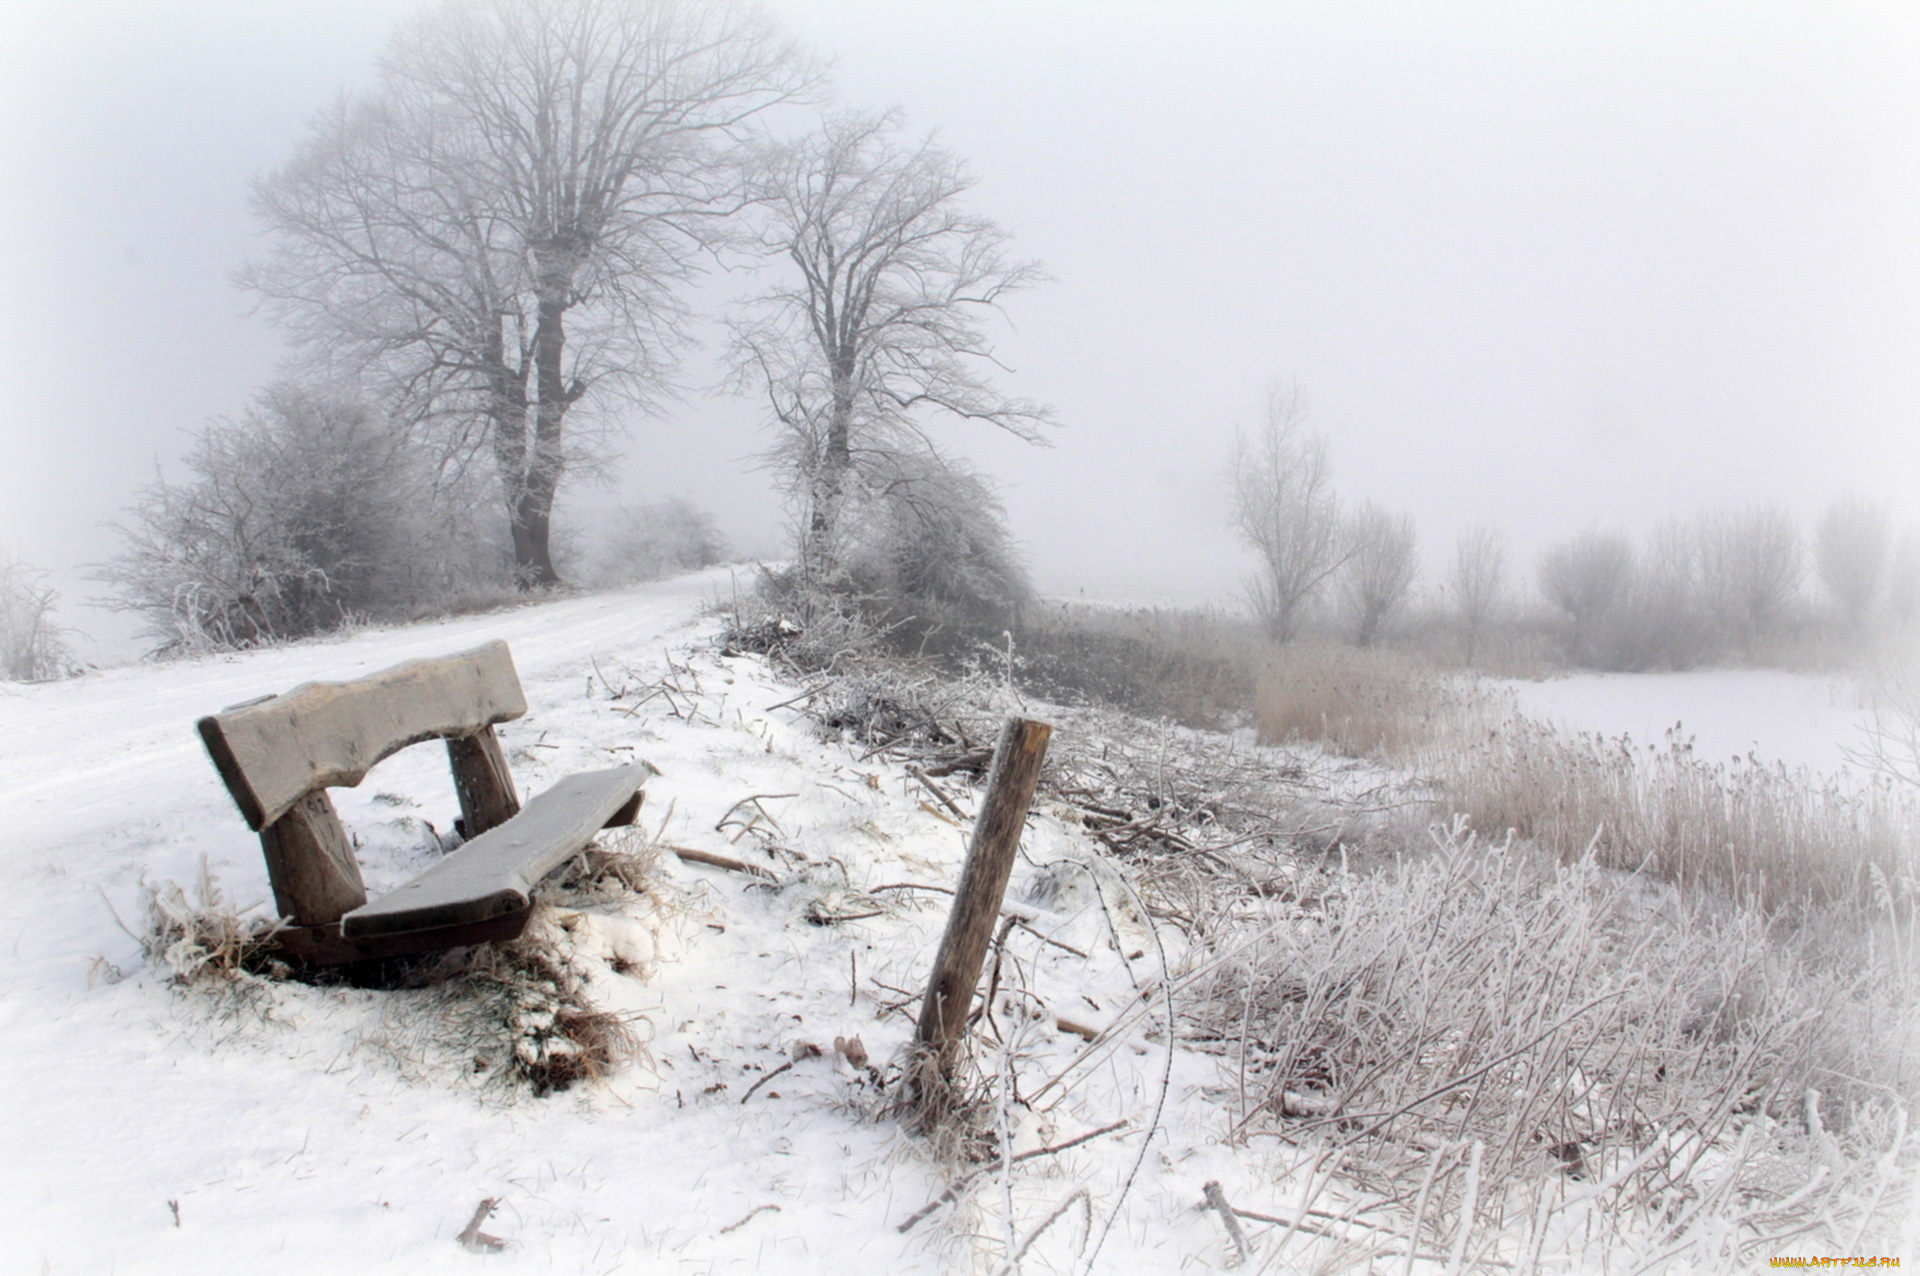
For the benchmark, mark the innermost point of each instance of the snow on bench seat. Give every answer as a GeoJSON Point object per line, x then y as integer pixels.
{"type": "Point", "coordinates": [495, 873]}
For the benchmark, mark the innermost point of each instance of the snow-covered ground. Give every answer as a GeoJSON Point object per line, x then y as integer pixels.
{"type": "Point", "coordinates": [146, 1129]}
{"type": "Point", "coordinates": [1795, 719]}
{"type": "Point", "coordinates": [333, 1129]}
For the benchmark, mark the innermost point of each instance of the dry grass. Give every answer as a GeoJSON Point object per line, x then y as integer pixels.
{"type": "Point", "coordinates": [1764, 836]}
{"type": "Point", "coordinates": [1372, 703]}
{"type": "Point", "coordinates": [1505, 1054]}
{"type": "Point", "coordinates": [1195, 668]}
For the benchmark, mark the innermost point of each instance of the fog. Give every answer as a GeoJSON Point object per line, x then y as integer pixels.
{"type": "Point", "coordinates": [1549, 266]}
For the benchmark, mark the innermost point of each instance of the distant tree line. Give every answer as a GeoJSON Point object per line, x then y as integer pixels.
{"type": "Point", "coordinates": [1726, 584]}
{"type": "Point", "coordinates": [481, 261]}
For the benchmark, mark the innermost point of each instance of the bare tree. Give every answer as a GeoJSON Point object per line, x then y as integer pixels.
{"type": "Point", "coordinates": [880, 326]}
{"type": "Point", "coordinates": [1380, 567]}
{"type": "Point", "coordinates": [1851, 545]}
{"type": "Point", "coordinates": [1668, 625]}
{"type": "Point", "coordinates": [1587, 577]}
{"type": "Point", "coordinates": [31, 645]}
{"type": "Point", "coordinates": [1284, 509]}
{"type": "Point", "coordinates": [1477, 580]}
{"type": "Point", "coordinates": [1752, 565]}
{"type": "Point", "coordinates": [499, 225]}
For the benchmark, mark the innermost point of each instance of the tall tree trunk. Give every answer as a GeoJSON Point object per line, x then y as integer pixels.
{"type": "Point", "coordinates": [830, 484]}
{"type": "Point", "coordinates": [507, 415]}
{"type": "Point", "coordinates": [533, 514]}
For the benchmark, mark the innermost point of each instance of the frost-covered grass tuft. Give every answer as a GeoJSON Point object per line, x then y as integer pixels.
{"type": "Point", "coordinates": [205, 943]}
{"type": "Point", "coordinates": [524, 1013]}
{"type": "Point", "coordinates": [1511, 1054]}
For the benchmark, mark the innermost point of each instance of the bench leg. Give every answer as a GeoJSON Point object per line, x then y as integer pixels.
{"type": "Point", "coordinates": [310, 863]}
{"type": "Point", "coordinates": [481, 778]}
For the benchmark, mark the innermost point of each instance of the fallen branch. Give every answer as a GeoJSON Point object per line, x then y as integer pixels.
{"type": "Point", "coordinates": [716, 860]}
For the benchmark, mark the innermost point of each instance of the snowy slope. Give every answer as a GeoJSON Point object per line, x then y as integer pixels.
{"type": "Point", "coordinates": [332, 1130]}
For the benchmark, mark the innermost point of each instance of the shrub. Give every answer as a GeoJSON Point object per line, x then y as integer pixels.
{"type": "Point", "coordinates": [308, 510]}
{"type": "Point", "coordinates": [928, 540]}
{"type": "Point", "coordinates": [1587, 577]}
{"type": "Point", "coordinates": [1192, 667]}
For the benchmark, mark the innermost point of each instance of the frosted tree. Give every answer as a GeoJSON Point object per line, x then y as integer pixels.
{"type": "Point", "coordinates": [1851, 545]}
{"type": "Point", "coordinates": [31, 645]}
{"type": "Point", "coordinates": [1477, 581]}
{"type": "Point", "coordinates": [1285, 510]}
{"type": "Point", "coordinates": [877, 328]}
{"type": "Point", "coordinates": [1587, 577]}
{"type": "Point", "coordinates": [1752, 564]}
{"type": "Point", "coordinates": [496, 230]}
{"type": "Point", "coordinates": [1380, 568]}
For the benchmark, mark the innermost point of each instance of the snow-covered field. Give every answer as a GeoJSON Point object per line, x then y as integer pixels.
{"type": "Point", "coordinates": [1796, 719]}
{"type": "Point", "coordinates": [147, 1129]}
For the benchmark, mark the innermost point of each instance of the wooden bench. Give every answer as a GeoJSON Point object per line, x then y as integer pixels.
{"type": "Point", "coordinates": [279, 755]}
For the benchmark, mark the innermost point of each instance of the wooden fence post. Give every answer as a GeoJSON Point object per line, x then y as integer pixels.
{"type": "Point", "coordinates": [976, 907]}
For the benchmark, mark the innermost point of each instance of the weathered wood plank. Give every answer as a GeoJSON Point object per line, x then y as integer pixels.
{"type": "Point", "coordinates": [482, 781]}
{"type": "Point", "coordinates": [325, 946]}
{"type": "Point", "coordinates": [322, 734]}
{"type": "Point", "coordinates": [495, 873]}
{"type": "Point", "coordinates": [315, 877]}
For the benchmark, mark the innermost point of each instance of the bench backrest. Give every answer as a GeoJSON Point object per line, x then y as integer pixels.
{"type": "Point", "coordinates": [279, 756]}
{"type": "Point", "coordinates": [320, 735]}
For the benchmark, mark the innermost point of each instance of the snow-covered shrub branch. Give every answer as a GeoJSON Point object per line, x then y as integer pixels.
{"type": "Point", "coordinates": [309, 510]}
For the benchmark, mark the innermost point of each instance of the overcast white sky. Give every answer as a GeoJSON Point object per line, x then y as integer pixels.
{"type": "Point", "coordinates": [1551, 264]}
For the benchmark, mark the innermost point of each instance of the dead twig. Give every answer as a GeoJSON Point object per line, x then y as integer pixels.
{"type": "Point", "coordinates": [1217, 1202]}
{"type": "Point", "coordinates": [1000, 1162]}
{"type": "Point", "coordinates": [937, 792]}
{"type": "Point", "coordinates": [760, 813]}
{"type": "Point", "coordinates": [751, 1214]}
{"type": "Point", "coordinates": [801, 1050]}
{"type": "Point", "coordinates": [475, 1240]}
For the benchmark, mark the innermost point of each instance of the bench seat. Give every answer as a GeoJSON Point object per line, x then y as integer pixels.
{"type": "Point", "coordinates": [494, 874]}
